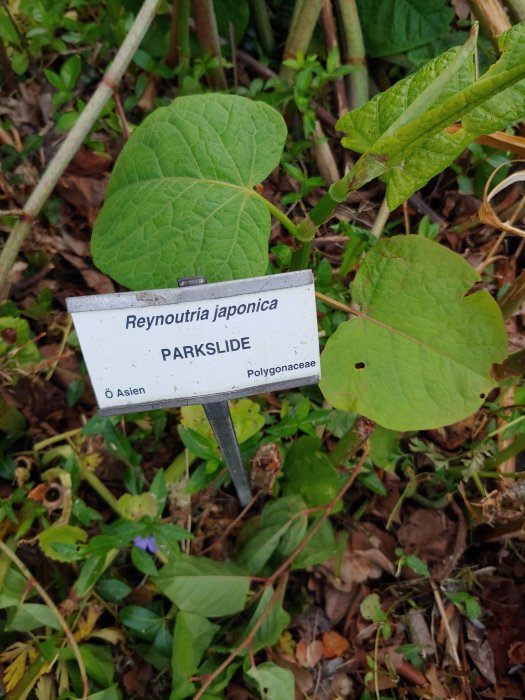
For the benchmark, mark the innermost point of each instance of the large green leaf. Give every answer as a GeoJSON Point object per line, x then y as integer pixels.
{"type": "Point", "coordinates": [419, 334]}
{"type": "Point", "coordinates": [395, 26]}
{"type": "Point", "coordinates": [205, 587]}
{"type": "Point", "coordinates": [181, 202]}
{"type": "Point", "coordinates": [415, 129]}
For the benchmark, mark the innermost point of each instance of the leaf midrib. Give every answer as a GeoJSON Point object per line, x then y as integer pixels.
{"type": "Point", "coordinates": [246, 189]}
{"type": "Point", "coordinates": [395, 331]}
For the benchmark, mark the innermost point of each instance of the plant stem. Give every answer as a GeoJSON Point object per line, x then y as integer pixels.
{"type": "Point", "coordinates": [264, 28]}
{"type": "Point", "coordinates": [337, 304]}
{"type": "Point", "coordinates": [491, 16]}
{"type": "Point", "coordinates": [516, 9]}
{"type": "Point", "coordinates": [179, 50]}
{"type": "Point", "coordinates": [381, 219]}
{"type": "Point", "coordinates": [208, 36]}
{"type": "Point", "coordinates": [301, 257]}
{"type": "Point", "coordinates": [96, 484]}
{"type": "Point", "coordinates": [514, 297]}
{"type": "Point", "coordinates": [355, 49]}
{"type": "Point", "coordinates": [279, 215]}
{"type": "Point", "coordinates": [305, 16]}
{"type": "Point", "coordinates": [74, 140]}
{"type": "Point", "coordinates": [517, 446]}
{"type": "Point", "coordinates": [50, 604]}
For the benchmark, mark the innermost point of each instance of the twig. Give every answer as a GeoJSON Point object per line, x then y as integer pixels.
{"type": "Point", "coordinates": [63, 624]}
{"type": "Point", "coordinates": [443, 613]}
{"type": "Point", "coordinates": [74, 140]}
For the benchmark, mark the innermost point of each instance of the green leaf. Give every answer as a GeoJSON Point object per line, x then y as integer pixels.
{"type": "Point", "coordinates": [70, 72]}
{"type": "Point", "coordinates": [408, 135]}
{"type": "Point", "coordinates": [232, 12]}
{"type": "Point", "coordinates": [507, 107]}
{"type": "Point", "coordinates": [74, 392]}
{"type": "Point", "coordinates": [15, 338]}
{"type": "Point", "coordinates": [275, 622]}
{"type": "Point", "coordinates": [143, 561]}
{"type": "Point", "coordinates": [321, 547]}
{"type": "Point", "coordinates": [416, 564]}
{"type": "Point", "coordinates": [112, 590]}
{"type": "Point", "coordinates": [7, 30]}
{"type": "Point", "coordinates": [422, 362]}
{"type": "Point", "coordinates": [30, 616]}
{"type": "Point", "coordinates": [384, 448]}
{"type": "Point", "coordinates": [137, 507]}
{"type": "Point", "coordinates": [206, 587]}
{"type": "Point", "coordinates": [274, 682]}
{"type": "Point", "coordinates": [181, 201]}
{"type": "Point", "coordinates": [111, 693]}
{"type": "Point", "coordinates": [192, 636]}
{"type": "Point", "coordinates": [386, 113]}
{"type": "Point", "coordinates": [99, 663]}
{"type": "Point", "coordinates": [56, 535]}
{"type": "Point", "coordinates": [145, 623]}
{"type": "Point", "coordinates": [247, 421]}
{"type": "Point", "coordinates": [281, 529]}
{"type": "Point", "coordinates": [310, 473]}
{"type": "Point", "coordinates": [395, 26]}
{"type": "Point", "coordinates": [371, 609]}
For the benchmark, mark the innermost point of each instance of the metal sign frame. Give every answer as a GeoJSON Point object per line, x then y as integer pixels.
{"type": "Point", "coordinates": [199, 292]}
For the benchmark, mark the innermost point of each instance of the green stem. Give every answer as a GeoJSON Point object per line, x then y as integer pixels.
{"type": "Point", "coordinates": [511, 451]}
{"type": "Point", "coordinates": [75, 139]}
{"type": "Point", "coordinates": [102, 490]}
{"type": "Point", "coordinates": [301, 257]}
{"type": "Point", "coordinates": [56, 438]}
{"type": "Point", "coordinates": [306, 14]}
{"type": "Point", "coordinates": [355, 49]}
{"type": "Point", "coordinates": [279, 215]}
{"type": "Point", "coordinates": [264, 28]}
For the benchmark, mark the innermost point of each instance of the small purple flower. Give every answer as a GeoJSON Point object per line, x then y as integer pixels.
{"type": "Point", "coordinates": [147, 543]}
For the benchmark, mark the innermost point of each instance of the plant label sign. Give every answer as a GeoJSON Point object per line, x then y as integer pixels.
{"type": "Point", "coordinates": [198, 344]}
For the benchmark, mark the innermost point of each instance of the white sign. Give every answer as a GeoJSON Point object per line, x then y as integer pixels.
{"type": "Point", "coordinates": [199, 344]}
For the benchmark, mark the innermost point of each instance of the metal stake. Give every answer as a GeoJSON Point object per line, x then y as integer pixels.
{"type": "Point", "coordinates": [219, 416]}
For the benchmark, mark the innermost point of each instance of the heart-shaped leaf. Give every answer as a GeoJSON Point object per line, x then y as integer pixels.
{"type": "Point", "coordinates": [419, 354]}
{"type": "Point", "coordinates": [181, 202]}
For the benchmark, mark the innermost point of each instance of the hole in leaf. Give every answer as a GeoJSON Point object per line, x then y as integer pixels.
{"type": "Point", "coordinates": [482, 396]}
{"type": "Point", "coordinates": [360, 365]}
